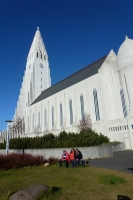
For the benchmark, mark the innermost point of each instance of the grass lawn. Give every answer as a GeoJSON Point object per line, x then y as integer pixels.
{"type": "Point", "coordinates": [81, 183]}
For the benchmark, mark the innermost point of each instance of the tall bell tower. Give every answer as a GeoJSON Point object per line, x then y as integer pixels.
{"type": "Point", "coordinates": [37, 69]}
{"type": "Point", "coordinates": [36, 76]}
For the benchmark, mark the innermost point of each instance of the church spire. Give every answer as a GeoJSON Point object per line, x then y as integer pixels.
{"type": "Point", "coordinates": [37, 45]}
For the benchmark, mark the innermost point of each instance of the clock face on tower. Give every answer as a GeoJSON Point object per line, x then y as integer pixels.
{"type": "Point", "coordinates": [41, 65]}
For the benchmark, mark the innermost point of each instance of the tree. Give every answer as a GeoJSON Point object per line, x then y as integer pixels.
{"type": "Point", "coordinates": [85, 123]}
{"type": "Point", "coordinates": [37, 130]}
{"type": "Point", "coordinates": [18, 127]}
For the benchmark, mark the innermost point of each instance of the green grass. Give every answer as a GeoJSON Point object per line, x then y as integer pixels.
{"type": "Point", "coordinates": [112, 179]}
{"type": "Point", "coordinates": [68, 184]}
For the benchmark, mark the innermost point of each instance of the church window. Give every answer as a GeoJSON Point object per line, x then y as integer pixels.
{"type": "Point", "coordinates": [38, 119]}
{"type": "Point", "coordinates": [41, 55]}
{"type": "Point", "coordinates": [61, 115]}
{"type": "Point", "coordinates": [71, 111]}
{"type": "Point", "coordinates": [82, 106]}
{"type": "Point", "coordinates": [96, 105]}
{"type": "Point", "coordinates": [44, 57]}
{"type": "Point", "coordinates": [123, 103]}
{"type": "Point", "coordinates": [45, 118]}
{"type": "Point", "coordinates": [37, 54]}
{"type": "Point", "coordinates": [52, 116]}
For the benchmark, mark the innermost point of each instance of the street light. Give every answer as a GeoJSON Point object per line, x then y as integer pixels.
{"type": "Point", "coordinates": [7, 136]}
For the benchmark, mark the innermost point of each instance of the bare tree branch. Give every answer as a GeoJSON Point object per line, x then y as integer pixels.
{"type": "Point", "coordinates": [85, 123]}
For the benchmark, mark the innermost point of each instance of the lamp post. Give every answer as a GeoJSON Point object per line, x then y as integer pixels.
{"type": "Point", "coordinates": [7, 136]}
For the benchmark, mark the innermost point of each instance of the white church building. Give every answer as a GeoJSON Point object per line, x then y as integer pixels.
{"type": "Point", "coordinates": [103, 89]}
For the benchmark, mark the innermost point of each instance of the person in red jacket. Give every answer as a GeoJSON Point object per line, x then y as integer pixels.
{"type": "Point", "coordinates": [64, 158]}
{"type": "Point", "coordinates": [72, 158]}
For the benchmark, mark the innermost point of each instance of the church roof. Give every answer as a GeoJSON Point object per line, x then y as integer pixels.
{"type": "Point", "coordinates": [82, 74]}
{"type": "Point", "coordinates": [37, 43]}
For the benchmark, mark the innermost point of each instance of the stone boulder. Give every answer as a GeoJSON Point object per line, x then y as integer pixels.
{"type": "Point", "coordinates": [30, 193]}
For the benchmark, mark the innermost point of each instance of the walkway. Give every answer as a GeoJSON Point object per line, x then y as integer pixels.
{"type": "Point", "coordinates": [121, 161]}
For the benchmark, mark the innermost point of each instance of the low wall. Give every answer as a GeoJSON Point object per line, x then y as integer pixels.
{"type": "Point", "coordinates": [118, 147]}
{"type": "Point", "coordinates": [88, 152]}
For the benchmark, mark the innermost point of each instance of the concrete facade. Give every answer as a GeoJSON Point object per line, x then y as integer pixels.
{"type": "Point", "coordinates": [103, 89]}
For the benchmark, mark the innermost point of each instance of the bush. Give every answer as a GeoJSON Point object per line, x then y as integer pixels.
{"type": "Point", "coordinates": [53, 160]}
{"type": "Point", "coordinates": [13, 161]}
{"type": "Point", "coordinates": [85, 138]}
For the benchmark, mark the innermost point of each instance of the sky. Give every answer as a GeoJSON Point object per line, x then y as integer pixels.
{"type": "Point", "coordinates": [75, 33]}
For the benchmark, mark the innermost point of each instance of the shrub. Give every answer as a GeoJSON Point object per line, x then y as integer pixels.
{"type": "Point", "coordinates": [53, 160]}
{"type": "Point", "coordinates": [86, 137]}
{"type": "Point", "coordinates": [13, 161]}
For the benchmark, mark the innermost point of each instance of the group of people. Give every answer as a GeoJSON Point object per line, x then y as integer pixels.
{"type": "Point", "coordinates": [75, 158]}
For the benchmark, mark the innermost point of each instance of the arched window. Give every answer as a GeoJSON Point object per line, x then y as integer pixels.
{"type": "Point", "coordinates": [45, 118]}
{"type": "Point", "coordinates": [96, 105]}
{"type": "Point", "coordinates": [71, 111]}
{"type": "Point", "coordinates": [39, 119]}
{"type": "Point", "coordinates": [82, 106]}
{"type": "Point", "coordinates": [123, 103]}
{"type": "Point", "coordinates": [37, 54]}
{"type": "Point", "coordinates": [61, 115]}
{"type": "Point", "coordinates": [52, 116]}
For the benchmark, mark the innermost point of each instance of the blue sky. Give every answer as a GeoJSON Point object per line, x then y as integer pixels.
{"type": "Point", "coordinates": [75, 33]}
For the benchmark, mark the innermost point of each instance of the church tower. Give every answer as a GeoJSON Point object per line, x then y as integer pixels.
{"type": "Point", "coordinates": [36, 77]}
{"type": "Point", "coordinates": [37, 69]}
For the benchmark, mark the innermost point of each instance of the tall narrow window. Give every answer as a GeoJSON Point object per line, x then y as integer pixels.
{"type": "Point", "coordinates": [61, 115]}
{"type": "Point", "coordinates": [82, 106]}
{"type": "Point", "coordinates": [127, 88]}
{"type": "Point", "coordinates": [33, 121]}
{"type": "Point", "coordinates": [123, 103]}
{"type": "Point", "coordinates": [71, 111]}
{"type": "Point", "coordinates": [45, 118]}
{"type": "Point", "coordinates": [96, 105]}
{"type": "Point", "coordinates": [37, 54]}
{"type": "Point", "coordinates": [39, 119]}
{"type": "Point", "coordinates": [52, 116]}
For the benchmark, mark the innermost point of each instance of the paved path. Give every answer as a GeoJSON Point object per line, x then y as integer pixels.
{"type": "Point", "coordinates": [121, 161]}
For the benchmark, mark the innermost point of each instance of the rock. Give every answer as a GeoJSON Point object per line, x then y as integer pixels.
{"type": "Point", "coordinates": [30, 193]}
{"type": "Point", "coordinates": [46, 164]}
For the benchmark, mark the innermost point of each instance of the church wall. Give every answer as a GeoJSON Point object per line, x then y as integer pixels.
{"type": "Point", "coordinates": [84, 88]}
{"type": "Point", "coordinates": [127, 77]}
{"type": "Point", "coordinates": [119, 131]}
{"type": "Point", "coordinates": [106, 92]}
{"type": "Point", "coordinates": [117, 88]}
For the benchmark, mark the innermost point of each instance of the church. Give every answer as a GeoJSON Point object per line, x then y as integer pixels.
{"type": "Point", "coordinates": [103, 90]}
